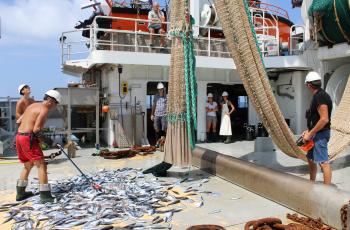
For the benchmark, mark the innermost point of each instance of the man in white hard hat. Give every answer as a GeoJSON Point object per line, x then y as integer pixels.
{"type": "Point", "coordinates": [319, 123]}
{"type": "Point", "coordinates": [28, 149]}
{"type": "Point", "coordinates": [158, 114]}
{"type": "Point", "coordinates": [24, 102]}
{"type": "Point", "coordinates": [211, 109]}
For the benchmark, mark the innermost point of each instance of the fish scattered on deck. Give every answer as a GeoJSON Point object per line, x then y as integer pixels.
{"type": "Point", "coordinates": [127, 196]}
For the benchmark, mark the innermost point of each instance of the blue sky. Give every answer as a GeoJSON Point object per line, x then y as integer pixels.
{"type": "Point", "coordinates": [29, 47]}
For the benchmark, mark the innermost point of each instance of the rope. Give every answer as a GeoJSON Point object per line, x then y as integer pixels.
{"type": "Point", "coordinates": [190, 116]}
{"type": "Point", "coordinates": [242, 44]}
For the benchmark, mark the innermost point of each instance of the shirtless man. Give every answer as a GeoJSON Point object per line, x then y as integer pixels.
{"type": "Point", "coordinates": [24, 102]}
{"type": "Point", "coordinates": [28, 149]}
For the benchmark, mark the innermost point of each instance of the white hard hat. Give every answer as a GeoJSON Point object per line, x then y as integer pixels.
{"type": "Point", "coordinates": [160, 86]}
{"type": "Point", "coordinates": [20, 87]}
{"type": "Point", "coordinates": [224, 94]}
{"type": "Point", "coordinates": [312, 76]}
{"type": "Point", "coordinates": [210, 95]}
{"type": "Point", "coordinates": [54, 94]}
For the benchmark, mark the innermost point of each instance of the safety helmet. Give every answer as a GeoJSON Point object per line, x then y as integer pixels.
{"type": "Point", "coordinates": [160, 86]}
{"type": "Point", "coordinates": [210, 95]}
{"type": "Point", "coordinates": [20, 87]}
{"type": "Point", "coordinates": [54, 94]}
{"type": "Point", "coordinates": [224, 94]}
{"type": "Point", "coordinates": [312, 76]}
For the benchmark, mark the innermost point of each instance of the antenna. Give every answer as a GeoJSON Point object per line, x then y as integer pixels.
{"type": "Point", "coordinates": [92, 3]}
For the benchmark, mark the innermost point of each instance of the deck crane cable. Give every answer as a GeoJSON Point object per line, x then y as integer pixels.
{"type": "Point", "coordinates": [242, 43]}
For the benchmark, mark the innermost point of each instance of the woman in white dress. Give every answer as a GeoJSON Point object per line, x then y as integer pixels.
{"type": "Point", "coordinates": [211, 109]}
{"type": "Point", "coordinates": [225, 127]}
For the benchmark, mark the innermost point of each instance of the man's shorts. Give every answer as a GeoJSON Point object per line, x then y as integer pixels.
{"type": "Point", "coordinates": [156, 27]}
{"type": "Point", "coordinates": [319, 153]}
{"type": "Point", "coordinates": [24, 152]}
{"type": "Point", "coordinates": [160, 123]}
{"type": "Point", "coordinates": [211, 119]}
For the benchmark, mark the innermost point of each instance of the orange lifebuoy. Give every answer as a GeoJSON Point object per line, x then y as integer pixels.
{"type": "Point", "coordinates": [105, 109]}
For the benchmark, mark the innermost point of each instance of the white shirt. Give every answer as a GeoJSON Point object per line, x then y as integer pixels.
{"type": "Point", "coordinates": [214, 105]}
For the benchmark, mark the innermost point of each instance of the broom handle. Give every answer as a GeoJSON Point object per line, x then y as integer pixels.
{"type": "Point", "coordinates": [60, 147]}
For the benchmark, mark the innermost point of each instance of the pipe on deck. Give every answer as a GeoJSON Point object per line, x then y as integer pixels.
{"type": "Point", "coordinates": [298, 194]}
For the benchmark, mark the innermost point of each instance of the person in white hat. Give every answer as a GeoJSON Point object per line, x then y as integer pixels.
{"type": "Point", "coordinates": [23, 102]}
{"type": "Point", "coordinates": [318, 124]}
{"type": "Point", "coordinates": [158, 114]}
{"type": "Point", "coordinates": [225, 127]}
{"type": "Point", "coordinates": [28, 148]}
{"type": "Point", "coordinates": [211, 109]}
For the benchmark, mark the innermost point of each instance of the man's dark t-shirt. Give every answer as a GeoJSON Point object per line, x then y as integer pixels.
{"type": "Point", "coordinates": [320, 98]}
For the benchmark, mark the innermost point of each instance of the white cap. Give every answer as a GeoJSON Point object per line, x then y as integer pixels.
{"type": "Point", "coordinates": [312, 76]}
{"type": "Point", "coordinates": [210, 95]}
{"type": "Point", "coordinates": [160, 86]}
{"type": "Point", "coordinates": [224, 94]}
{"type": "Point", "coordinates": [54, 94]}
{"type": "Point", "coordinates": [20, 87]}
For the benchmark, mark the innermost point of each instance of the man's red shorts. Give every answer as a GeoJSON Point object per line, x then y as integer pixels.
{"type": "Point", "coordinates": [24, 152]}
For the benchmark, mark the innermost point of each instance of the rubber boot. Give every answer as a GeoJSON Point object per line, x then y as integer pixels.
{"type": "Point", "coordinates": [208, 137]}
{"type": "Point", "coordinates": [159, 169]}
{"type": "Point", "coordinates": [228, 140]}
{"type": "Point", "coordinates": [45, 194]}
{"type": "Point", "coordinates": [214, 137]}
{"type": "Point", "coordinates": [21, 190]}
{"type": "Point", "coordinates": [157, 138]}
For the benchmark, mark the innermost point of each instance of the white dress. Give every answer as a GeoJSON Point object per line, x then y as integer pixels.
{"type": "Point", "coordinates": [225, 127]}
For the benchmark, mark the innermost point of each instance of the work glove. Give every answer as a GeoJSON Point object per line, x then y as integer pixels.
{"type": "Point", "coordinates": [152, 117]}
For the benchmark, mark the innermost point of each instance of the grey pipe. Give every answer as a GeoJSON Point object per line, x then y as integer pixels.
{"type": "Point", "coordinates": [299, 194]}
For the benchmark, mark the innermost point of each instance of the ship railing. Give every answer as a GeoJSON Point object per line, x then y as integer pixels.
{"type": "Point", "coordinates": [73, 46]}
{"type": "Point", "coordinates": [262, 6]}
{"type": "Point", "coordinates": [297, 40]}
{"type": "Point", "coordinates": [137, 47]}
{"type": "Point", "coordinates": [267, 32]}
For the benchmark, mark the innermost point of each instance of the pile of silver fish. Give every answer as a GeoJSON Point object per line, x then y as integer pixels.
{"type": "Point", "coordinates": [127, 196]}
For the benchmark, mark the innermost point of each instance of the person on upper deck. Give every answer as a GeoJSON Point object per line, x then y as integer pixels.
{"type": "Point", "coordinates": [156, 17]}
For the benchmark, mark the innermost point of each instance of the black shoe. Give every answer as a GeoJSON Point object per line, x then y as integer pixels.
{"type": "Point", "coordinates": [158, 169]}
{"type": "Point", "coordinates": [208, 138]}
{"type": "Point", "coordinates": [214, 137]}
{"type": "Point", "coordinates": [22, 194]}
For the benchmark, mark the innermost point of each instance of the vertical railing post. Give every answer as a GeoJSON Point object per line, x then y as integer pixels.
{"type": "Point", "coordinates": [62, 49]}
{"type": "Point", "coordinates": [209, 43]}
{"type": "Point", "coordinates": [135, 33]}
{"type": "Point", "coordinates": [10, 113]}
{"type": "Point", "coordinates": [69, 50]}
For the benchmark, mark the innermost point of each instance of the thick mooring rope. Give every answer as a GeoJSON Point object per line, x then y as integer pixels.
{"type": "Point", "coordinates": [242, 43]}
{"type": "Point", "coordinates": [190, 116]}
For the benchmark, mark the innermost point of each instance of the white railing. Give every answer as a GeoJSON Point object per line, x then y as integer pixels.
{"type": "Point", "coordinates": [74, 47]}
{"type": "Point", "coordinates": [267, 31]}
{"type": "Point", "coordinates": [297, 40]}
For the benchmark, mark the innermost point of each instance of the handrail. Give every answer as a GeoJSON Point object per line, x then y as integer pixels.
{"type": "Point", "coordinates": [269, 7]}
{"type": "Point", "coordinates": [69, 47]}
{"type": "Point", "coordinates": [291, 39]}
